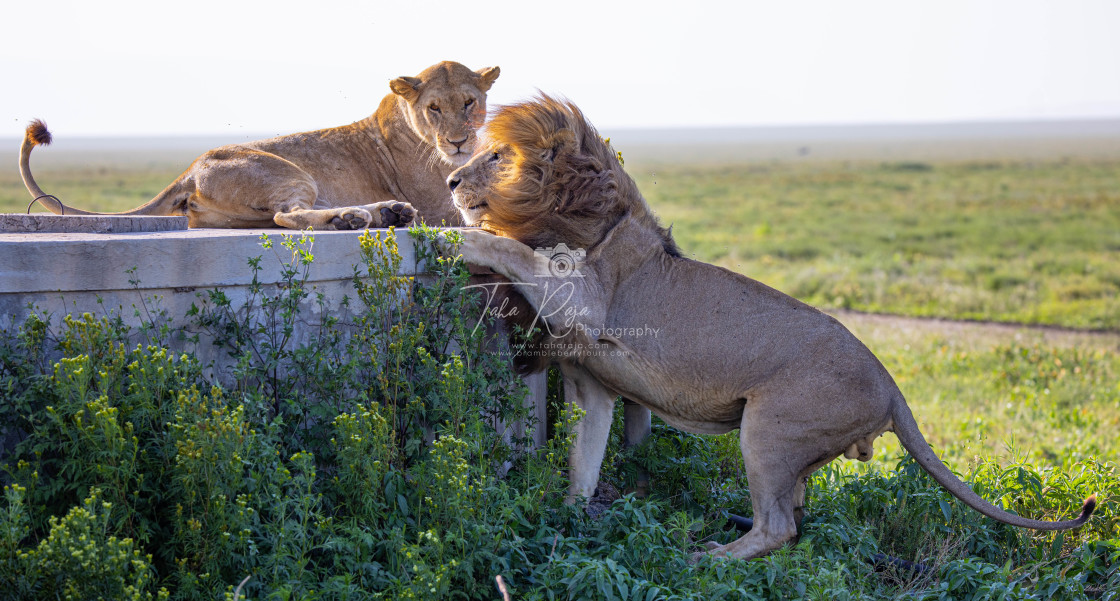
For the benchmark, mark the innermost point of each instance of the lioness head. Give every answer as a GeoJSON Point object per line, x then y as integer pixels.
{"type": "Point", "coordinates": [545, 176]}
{"type": "Point", "coordinates": [445, 105]}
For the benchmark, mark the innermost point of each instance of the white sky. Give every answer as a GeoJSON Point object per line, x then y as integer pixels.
{"type": "Point", "coordinates": [203, 67]}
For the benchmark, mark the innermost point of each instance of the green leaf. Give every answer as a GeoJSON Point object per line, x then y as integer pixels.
{"type": "Point", "coordinates": [1056, 546]}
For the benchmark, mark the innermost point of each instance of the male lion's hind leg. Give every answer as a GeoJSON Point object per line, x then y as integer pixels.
{"type": "Point", "coordinates": [636, 421]}
{"type": "Point", "coordinates": [799, 502]}
{"type": "Point", "coordinates": [746, 524]}
{"type": "Point", "coordinates": [772, 498]}
{"type": "Point", "coordinates": [777, 484]}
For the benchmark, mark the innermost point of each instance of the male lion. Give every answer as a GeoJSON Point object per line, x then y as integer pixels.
{"type": "Point", "coordinates": [398, 156]}
{"type": "Point", "coordinates": [728, 352]}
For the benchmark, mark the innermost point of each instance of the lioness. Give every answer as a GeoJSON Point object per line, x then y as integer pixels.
{"type": "Point", "coordinates": [399, 156]}
{"type": "Point", "coordinates": [728, 352]}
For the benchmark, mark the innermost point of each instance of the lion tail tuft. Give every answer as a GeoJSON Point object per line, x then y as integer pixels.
{"type": "Point", "coordinates": [37, 133]}
{"type": "Point", "coordinates": [1087, 508]}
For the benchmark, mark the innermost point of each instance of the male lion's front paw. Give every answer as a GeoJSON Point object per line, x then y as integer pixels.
{"type": "Point", "coordinates": [447, 243]}
{"type": "Point", "coordinates": [473, 245]}
{"type": "Point", "coordinates": [398, 214]}
{"type": "Point", "coordinates": [460, 243]}
{"type": "Point", "coordinates": [351, 219]}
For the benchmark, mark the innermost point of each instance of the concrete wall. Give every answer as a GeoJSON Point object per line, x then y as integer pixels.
{"type": "Point", "coordinates": [61, 273]}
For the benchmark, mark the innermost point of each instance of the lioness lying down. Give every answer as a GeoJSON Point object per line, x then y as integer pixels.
{"type": "Point", "coordinates": [728, 351]}
{"type": "Point", "coordinates": [375, 172]}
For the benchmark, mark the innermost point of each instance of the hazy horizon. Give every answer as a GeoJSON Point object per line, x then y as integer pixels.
{"type": "Point", "coordinates": [1022, 139]}
{"type": "Point", "coordinates": [1075, 127]}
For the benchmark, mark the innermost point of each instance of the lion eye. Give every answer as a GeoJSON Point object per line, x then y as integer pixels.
{"type": "Point", "coordinates": [468, 103]}
{"type": "Point", "coordinates": [433, 108]}
{"type": "Point", "coordinates": [495, 157]}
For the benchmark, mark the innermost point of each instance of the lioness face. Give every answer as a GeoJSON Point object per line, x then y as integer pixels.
{"type": "Point", "coordinates": [445, 105]}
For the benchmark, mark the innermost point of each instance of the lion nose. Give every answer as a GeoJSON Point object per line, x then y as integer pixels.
{"type": "Point", "coordinates": [453, 182]}
{"type": "Point", "coordinates": [459, 143]}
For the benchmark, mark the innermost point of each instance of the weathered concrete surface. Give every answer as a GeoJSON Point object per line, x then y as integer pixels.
{"type": "Point", "coordinates": [19, 223]}
{"type": "Point", "coordinates": [137, 274]}
{"type": "Point", "coordinates": [40, 264]}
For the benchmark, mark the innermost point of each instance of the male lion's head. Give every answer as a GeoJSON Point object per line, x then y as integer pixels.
{"type": "Point", "coordinates": [545, 176]}
{"type": "Point", "coordinates": [445, 105]}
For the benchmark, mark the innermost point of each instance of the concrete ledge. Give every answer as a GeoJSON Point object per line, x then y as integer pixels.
{"type": "Point", "coordinates": [197, 258]}
{"type": "Point", "coordinates": [135, 275]}
{"type": "Point", "coordinates": [18, 223]}
{"type": "Point", "coordinates": [168, 260]}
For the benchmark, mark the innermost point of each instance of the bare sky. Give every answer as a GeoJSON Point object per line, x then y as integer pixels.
{"type": "Point", "coordinates": [230, 67]}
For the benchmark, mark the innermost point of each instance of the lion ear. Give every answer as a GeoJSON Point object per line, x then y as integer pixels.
{"type": "Point", "coordinates": [563, 141]}
{"type": "Point", "coordinates": [406, 87]}
{"type": "Point", "coordinates": [486, 77]}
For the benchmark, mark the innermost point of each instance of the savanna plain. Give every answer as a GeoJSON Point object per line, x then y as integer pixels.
{"type": "Point", "coordinates": [988, 283]}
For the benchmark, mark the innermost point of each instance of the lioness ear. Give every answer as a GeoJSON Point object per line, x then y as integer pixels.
{"type": "Point", "coordinates": [406, 87]}
{"type": "Point", "coordinates": [561, 141]}
{"type": "Point", "coordinates": [486, 77]}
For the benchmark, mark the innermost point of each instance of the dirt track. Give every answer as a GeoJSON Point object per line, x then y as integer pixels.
{"type": "Point", "coordinates": [973, 332]}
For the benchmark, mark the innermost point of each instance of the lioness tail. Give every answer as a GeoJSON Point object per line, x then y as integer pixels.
{"type": "Point", "coordinates": [37, 133]}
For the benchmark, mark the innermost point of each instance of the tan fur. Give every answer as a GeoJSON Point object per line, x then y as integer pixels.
{"type": "Point", "coordinates": [728, 353]}
{"type": "Point", "coordinates": [376, 172]}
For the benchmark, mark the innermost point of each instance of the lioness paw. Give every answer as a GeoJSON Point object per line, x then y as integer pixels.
{"type": "Point", "coordinates": [398, 214]}
{"type": "Point", "coordinates": [351, 219]}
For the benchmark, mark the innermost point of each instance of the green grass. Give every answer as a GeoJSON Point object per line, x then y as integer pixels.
{"type": "Point", "coordinates": [1007, 241]}
{"type": "Point", "coordinates": [1002, 396]}
{"type": "Point", "coordinates": [111, 186]}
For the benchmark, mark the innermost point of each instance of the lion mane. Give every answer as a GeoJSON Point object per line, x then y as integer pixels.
{"type": "Point", "coordinates": [563, 182]}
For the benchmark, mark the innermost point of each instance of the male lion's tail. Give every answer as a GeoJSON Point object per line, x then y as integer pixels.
{"type": "Point", "coordinates": [36, 134]}
{"type": "Point", "coordinates": [906, 429]}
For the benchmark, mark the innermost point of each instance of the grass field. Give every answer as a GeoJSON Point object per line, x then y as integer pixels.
{"type": "Point", "coordinates": [1028, 415]}
{"type": "Point", "coordinates": [1006, 241]}
{"type": "Point", "coordinates": [999, 393]}
{"type": "Point", "coordinates": [113, 182]}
